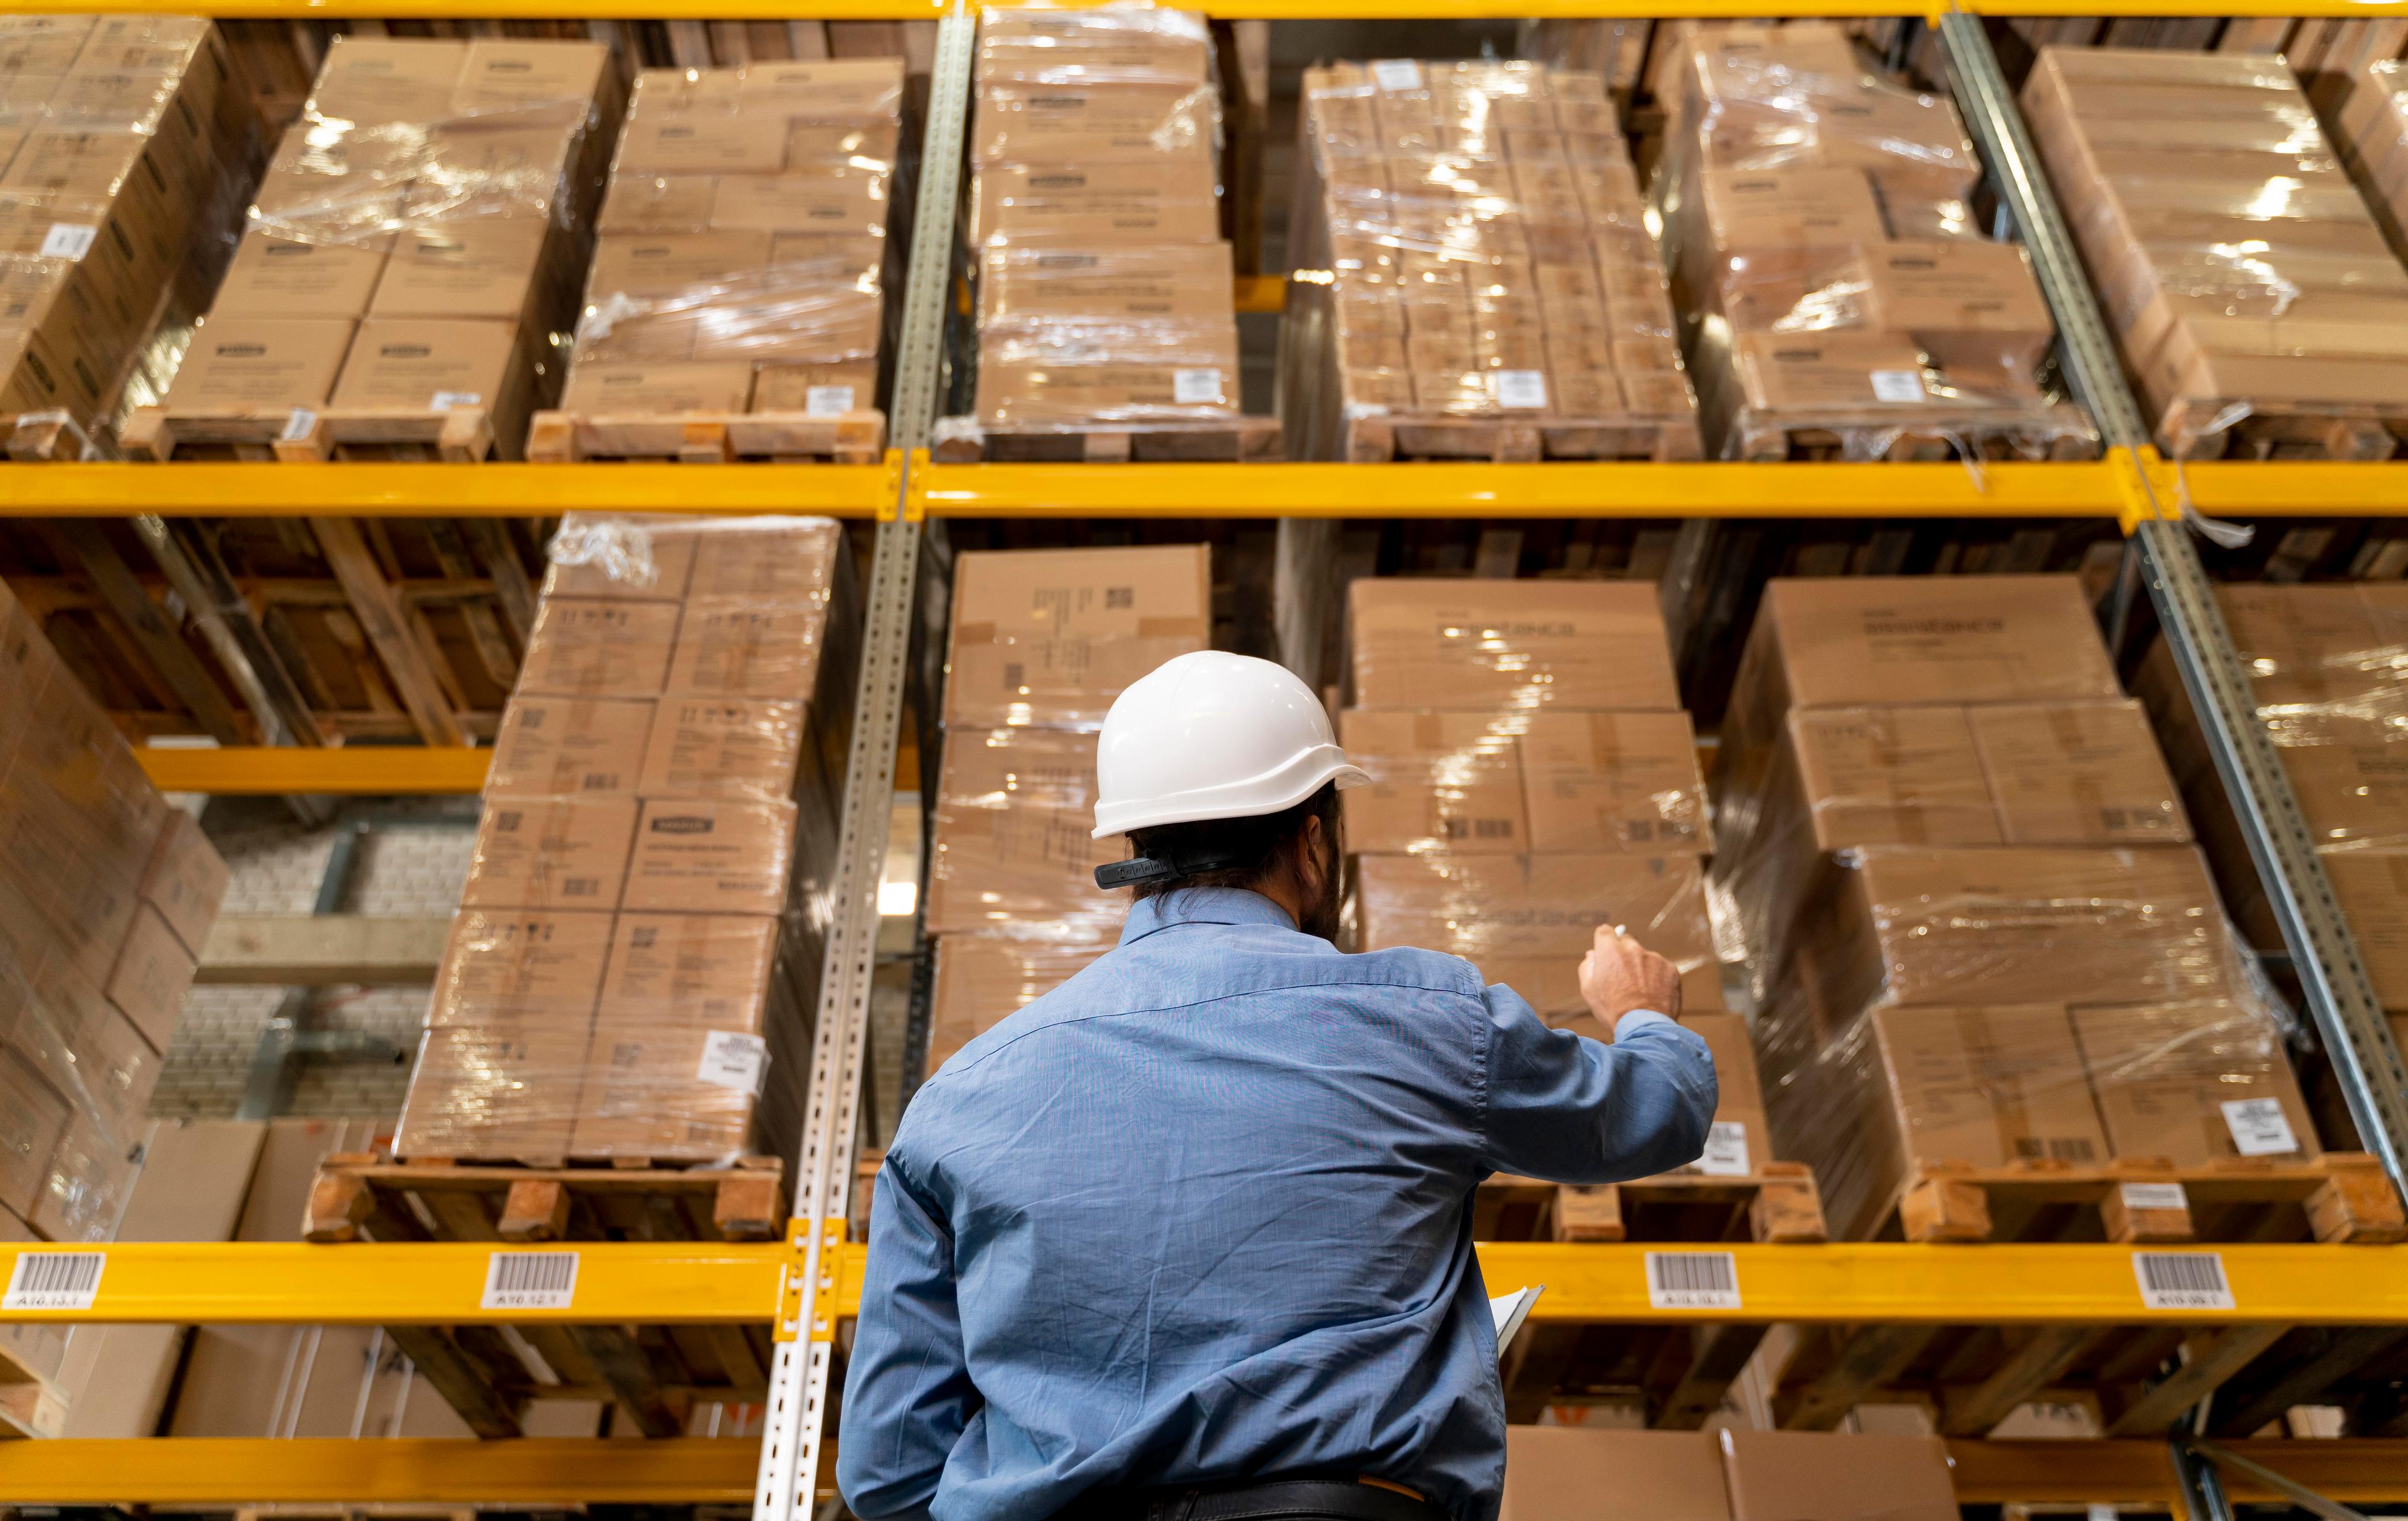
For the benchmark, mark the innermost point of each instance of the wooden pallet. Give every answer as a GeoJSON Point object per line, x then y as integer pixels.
{"type": "Point", "coordinates": [460, 434]}
{"type": "Point", "coordinates": [2192, 428]}
{"type": "Point", "coordinates": [960, 441]}
{"type": "Point", "coordinates": [657, 1374]}
{"type": "Point", "coordinates": [2060, 431]}
{"type": "Point", "coordinates": [2339, 1196]}
{"type": "Point", "coordinates": [709, 438]}
{"type": "Point", "coordinates": [30, 1404]}
{"type": "Point", "coordinates": [1778, 1202]}
{"type": "Point", "coordinates": [1371, 441]}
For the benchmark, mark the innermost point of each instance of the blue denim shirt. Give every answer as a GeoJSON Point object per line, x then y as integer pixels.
{"type": "Point", "coordinates": [1203, 1212]}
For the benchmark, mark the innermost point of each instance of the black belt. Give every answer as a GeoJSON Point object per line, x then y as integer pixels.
{"type": "Point", "coordinates": [1259, 1501]}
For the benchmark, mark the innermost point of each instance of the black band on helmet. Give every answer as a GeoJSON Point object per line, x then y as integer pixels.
{"type": "Point", "coordinates": [1147, 868]}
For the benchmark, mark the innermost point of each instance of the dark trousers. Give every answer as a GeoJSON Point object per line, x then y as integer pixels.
{"type": "Point", "coordinates": [1262, 1499]}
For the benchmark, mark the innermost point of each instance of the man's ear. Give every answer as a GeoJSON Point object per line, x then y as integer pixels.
{"type": "Point", "coordinates": [1309, 857]}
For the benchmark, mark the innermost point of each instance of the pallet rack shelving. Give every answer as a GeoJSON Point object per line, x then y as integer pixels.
{"type": "Point", "coordinates": [802, 1285]}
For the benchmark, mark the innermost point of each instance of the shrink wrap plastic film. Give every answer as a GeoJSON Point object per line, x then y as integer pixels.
{"type": "Point", "coordinates": [630, 972]}
{"type": "Point", "coordinates": [1817, 222]}
{"type": "Point", "coordinates": [2242, 268]}
{"type": "Point", "coordinates": [1013, 860]}
{"type": "Point", "coordinates": [117, 135]}
{"type": "Point", "coordinates": [1479, 238]}
{"type": "Point", "coordinates": [1104, 290]}
{"type": "Point", "coordinates": [741, 259]}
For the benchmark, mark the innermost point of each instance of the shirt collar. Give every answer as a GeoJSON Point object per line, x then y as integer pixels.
{"type": "Point", "coordinates": [1202, 906]}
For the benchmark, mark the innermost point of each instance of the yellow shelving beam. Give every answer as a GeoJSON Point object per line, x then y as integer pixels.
{"type": "Point", "coordinates": [281, 771]}
{"type": "Point", "coordinates": [493, 489]}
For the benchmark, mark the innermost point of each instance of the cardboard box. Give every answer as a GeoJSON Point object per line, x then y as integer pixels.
{"type": "Point", "coordinates": [616, 388]}
{"type": "Point", "coordinates": [479, 266]}
{"type": "Point", "coordinates": [633, 556]}
{"type": "Point", "coordinates": [1556, 1473]}
{"type": "Point", "coordinates": [376, 81]}
{"type": "Point", "coordinates": [31, 1118]}
{"type": "Point", "coordinates": [2083, 773]}
{"type": "Point", "coordinates": [1449, 782]}
{"type": "Point", "coordinates": [185, 879]}
{"type": "Point", "coordinates": [285, 278]}
{"type": "Point", "coordinates": [698, 856]}
{"type": "Point", "coordinates": [699, 142]}
{"type": "Point", "coordinates": [550, 80]}
{"type": "Point", "coordinates": [843, 90]}
{"type": "Point", "coordinates": [1051, 636]}
{"type": "Point", "coordinates": [1624, 782]}
{"type": "Point", "coordinates": [1969, 304]}
{"type": "Point", "coordinates": [1988, 1086]}
{"type": "Point", "coordinates": [90, 1174]}
{"type": "Point", "coordinates": [734, 747]}
{"type": "Point", "coordinates": [744, 647]}
{"type": "Point", "coordinates": [1882, 776]}
{"type": "Point", "coordinates": [1790, 208]}
{"type": "Point", "coordinates": [1076, 206]}
{"type": "Point", "coordinates": [1168, 123]}
{"type": "Point", "coordinates": [1828, 1476]}
{"type": "Point", "coordinates": [1844, 368]}
{"type": "Point", "coordinates": [433, 365]}
{"type": "Point", "coordinates": [598, 647]}
{"type": "Point", "coordinates": [2372, 887]}
{"type": "Point", "coordinates": [2194, 1083]}
{"type": "Point", "coordinates": [769, 560]}
{"type": "Point", "coordinates": [558, 746]}
{"type": "Point", "coordinates": [642, 1096]}
{"type": "Point", "coordinates": [981, 980]}
{"type": "Point", "coordinates": [690, 971]}
{"type": "Point", "coordinates": [550, 853]}
{"type": "Point", "coordinates": [1479, 646]}
{"type": "Point", "coordinates": [495, 1091]}
{"type": "Point", "coordinates": [1167, 283]}
{"type": "Point", "coordinates": [153, 974]}
{"type": "Point", "coordinates": [259, 364]}
{"type": "Point", "coordinates": [1015, 807]}
{"type": "Point", "coordinates": [505, 966]}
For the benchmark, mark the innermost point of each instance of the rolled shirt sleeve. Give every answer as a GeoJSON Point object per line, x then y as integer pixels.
{"type": "Point", "coordinates": [908, 1395]}
{"type": "Point", "coordinates": [1567, 1109]}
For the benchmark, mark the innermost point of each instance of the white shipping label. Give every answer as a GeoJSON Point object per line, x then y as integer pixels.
{"type": "Point", "coordinates": [1196, 387]}
{"type": "Point", "coordinates": [445, 400]}
{"type": "Point", "coordinates": [1397, 73]}
{"type": "Point", "coordinates": [1726, 1154]}
{"type": "Point", "coordinates": [1897, 385]}
{"type": "Point", "coordinates": [55, 1280]}
{"type": "Point", "coordinates": [2259, 1126]}
{"type": "Point", "coordinates": [530, 1281]}
{"type": "Point", "coordinates": [827, 400]}
{"type": "Point", "coordinates": [2181, 1280]}
{"type": "Point", "coordinates": [68, 240]}
{"type": "Point", "coordinates": [2154, 1195]}
{"type": "Point", "coordinates": [2102, 1513]}
{"type": "Point", "coordinates": [298, 425]}
{"type": "Point", "coordinates": [731, 1060]}
{"type": "Point", "coordinates": [1522, 389]}
{"type": "Point", "coordinates": [1692, 1280]}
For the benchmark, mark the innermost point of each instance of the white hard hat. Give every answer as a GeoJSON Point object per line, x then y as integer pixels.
{"type": "Point", "coordinates": [1212, 736]}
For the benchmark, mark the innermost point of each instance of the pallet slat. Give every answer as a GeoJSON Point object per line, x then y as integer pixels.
{"type": "Point", "coordinates": [857, 437]}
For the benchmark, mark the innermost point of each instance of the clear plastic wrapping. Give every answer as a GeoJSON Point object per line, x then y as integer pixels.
{"type": "Point", "coordinates": [416, 240]}
{"type": "Point", "coordinates": [1840, 292]}
{"type": "Point", "coordinates": [117, 134]}
{"type": "Point", "coordinates": [647, 898]}
{"type": "Point", "coordinates": [107, 896]}
{"type": "Point", "coordinates": [741, 259]}
{"type": "Point", "coordinates": [1046, 639]}
{"type": "Point", "coordinates": [2242, 270]}
{"type": "Point", "coordinates": [1479, 249]}
{"type": "Point", "coordinates": [1104, 293]}
{"type": "Point", "coordinates": [1014, 810]}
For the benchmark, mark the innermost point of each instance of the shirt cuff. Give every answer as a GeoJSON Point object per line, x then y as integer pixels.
{"type": "Point", "coordinates": [1629, 1024]}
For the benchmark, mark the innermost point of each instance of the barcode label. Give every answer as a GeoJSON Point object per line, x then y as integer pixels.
{"type": "Point", "coordinates": [1196, 387]}
{"type": "Point", "coordinates": [827, 401]}
{"type": "Point", "coordinates": [298, 425]}
{"type": "Point", "coordinates": [2154, 1195]}
{"type": "Point", "coordinates": [2259, 1126]}
{"type": "Point", "coordinates": [1522, 389]}
{"type": "Point", "coordinates": [1397, 73]}
{"type": "Point", "coordinates": [1692, 1280]}
{"type": "Point", "coordinates": [733, 1060]}
{"type": "Point", "coordinates": [2181, 1280]}
{"type": "Point", "coordinates": [55, 1280]}
{"type": "Point", "coordinates": [530, 1281]}
{"type": "Point", "coordinates": [1726, 1154]}
{"type": "Point", "coordinates": [68, 240]}
{"type": "Point", "coordinates": [1897, 385]}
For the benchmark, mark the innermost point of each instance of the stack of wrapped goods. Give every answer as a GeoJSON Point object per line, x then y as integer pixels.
{"type": "Point", "coordinates": [1494, 290]}
{"type": "Point", "coordinates": [116, 135]}
{"type": "Point", "coordinates": [1043, 642]}
{"type": "Point", "coordinates": [409, 258]}
{"type": "Point", "coordinates": [107, 896]}
{"type": "Point", "coordinates": [2366, 111]}
{"type": "Point", "coordinates": [631, 969]}
{"type": "Point", "coordinates": [740, 263]}
{"type": "Point", "coordinates": [1840, 297]}
{"type": "Point", "coordinates": [1532, 778]}
{"type": "Point", "coordinates": [2329, 668]}
{"type": "Point", "coordinates": [2255, 298]}
{"type": "Point", "coordinates": [1982, 936]}
{"type": "Point", "coordinates": [1105, 299]}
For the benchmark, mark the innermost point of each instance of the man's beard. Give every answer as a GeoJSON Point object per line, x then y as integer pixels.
{"type": "Point", "coordinates": [1320, 915]}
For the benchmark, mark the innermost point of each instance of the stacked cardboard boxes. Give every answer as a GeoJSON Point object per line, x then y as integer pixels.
{"type": "Point", "coordinates": [2236, 260]}
{"type": "Point", "coordinates": [116, 135]}
{"type": "Point", "coordinates": [1824, 252]}
{"type": "Point", "coordinates": [740, 264]}
{"type": "Point", "coordinates": [1532, 778]}
{"type": "Point", "coordinates": [1043, 642]}
{"type": "Point", "coordinates": [1487, 244]}
{"type": "Point", "coordinates": [1962, 871]}
{"type": "Point", "coordinates": [2366, 112]}
{"type": "Point", "coordinates": [107, 896]}
{"type": "Point", "coordinates": [1556, 1473]}
{"type": "Point", "coordinates": [418, 240]}
{"type": "Point", "coordinates": [1104, 290]}
{"type": "Point", "coordinates": [639, 937]}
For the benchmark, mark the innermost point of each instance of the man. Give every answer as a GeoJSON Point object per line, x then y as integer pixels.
{"type": "Point", "coordinates": [1201, 1218]}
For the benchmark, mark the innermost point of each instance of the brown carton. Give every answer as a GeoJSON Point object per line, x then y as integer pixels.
{"type": "Point", "coordinates": [743, 647]}
{"type": "Point", "coordinates": [623, 388]}
{"type": "Point", "coordinates": [286, 277]}
{"type": "Point", "coordinates": [153, 974]}
{"type": "Point", "coordinates": [2373, 889]}
{"type": "Point", "coordinates": [556, 747]}
{"type": "Point", "coordinates": [593, 647]}
{"type": "Point", "coordinates": [698, 856]}
{"type": "Point", "coordinates": [1969, 303]}
{"type": "Point", "coordinates": [767, 560]}
{"type": "Point", "coordinates": [641, 1095]}
{"type": "Point", "coordinates": [259, 364]}
{"type": "Point", "coordinates": [31, 1118]}
{"type": "Point", "coordinates": [378, 81]}
{"type": "Point", "coordinates": [735, 748]}
{"type": "Point", "coordinates": [982, 979]}
{"type": "Point", "coordinates": [666, 263]}
{"type": "Point", "coordinates": [530, 79]}
{"type": "Point", "coordinates": [506, 1091]}
{"type": "Point", "coordinates": [432, 364]}
{"type": "Point", "coordinates": [550, 853]}
{"type": "Point", "coordinates": [1624, 782]}
{"type": "Point", "coordinates": [1170, 283]}
{"type": "Point", "coordinates": [2194, 1083]}
{"type": "Point", "coordinates": [690, 970]}
{"type": "Point", "coordinates": [1556, 1473]}
{"type": "Point", "coordinates": [844, 90]}
{"type": "Point", "coordinates": [1741, 1139]}
{"type": "Point", "coordinates": [2076, 773]}
{"type": "Point", "coordinates": [1831, 1476]}
{"type": "Point", "coordinates": [1988, 1086]}
{"type": "Point", "coordinates": [1015, 809]}
{"type": "Point", "coordinates": [1439, 782]}
{"type": "Point", "coordinates": [1886, 776]}
{"type": "Point", "coordinates": [503, 966]}
{"type": "Point", "coordinates": [634, 558]}
{"type": "Point", "coordinates": [185, 879]}
{"type": "Point", "coordinates": [1794, 207]}
{"type": "Point", "coordinates": [1480, 646]}
{"type": "Point", "coordinates": [478, 266]}
{"type": "Point", "coordinates": [1080, 206]}
{"type": "Point", "coordinates": [1051, 636]}
{"type": "Point", "coordinates": [1846, 368]}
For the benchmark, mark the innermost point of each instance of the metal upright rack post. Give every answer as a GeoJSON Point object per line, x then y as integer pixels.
{"type": "Point", "coordinates": [799, 1380]}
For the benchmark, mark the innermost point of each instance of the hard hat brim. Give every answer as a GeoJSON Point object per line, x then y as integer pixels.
{"type": "Point", "coordinates": [1250, 798]}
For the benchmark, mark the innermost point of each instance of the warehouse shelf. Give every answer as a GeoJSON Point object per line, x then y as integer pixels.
{"type": "Point", "coordinates": [284, 770]}
{"type": "Point", "coordinates": [492, 489]}
{"type": "Point", "coordinates": [2294, 488]}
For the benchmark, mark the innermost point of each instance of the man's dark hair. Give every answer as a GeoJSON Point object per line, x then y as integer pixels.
{"type": "Point", "coordinates": [1257, 844]}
